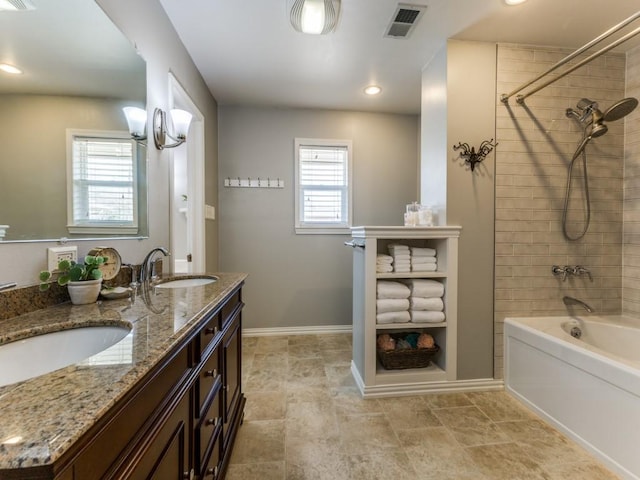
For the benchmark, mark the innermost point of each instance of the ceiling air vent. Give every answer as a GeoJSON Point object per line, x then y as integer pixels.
{"type": "Point", "coordinates": [16, 5]}
{"type": "Point", "coordinates": [404, 19]}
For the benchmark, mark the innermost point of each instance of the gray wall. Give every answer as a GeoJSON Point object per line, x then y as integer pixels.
{"type": "Point", "coordinates": [463, 103]}
{"type": "Point", "coordinates": [305, 280]}
{"type": "Point", "coordinates": [145, 23]}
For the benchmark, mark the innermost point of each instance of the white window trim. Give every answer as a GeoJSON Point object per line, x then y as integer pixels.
{"type": "Point", "coordinates": [324, 228]}
{"type": "Point", "coordinates": [73, 228]}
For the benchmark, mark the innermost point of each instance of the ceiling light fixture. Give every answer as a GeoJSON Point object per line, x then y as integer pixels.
{"type": "Point", "coordinates": [5, 67]}
{"type": "Point", "coordinates": [316, 17]}
{"type": "Point", "coordinates": [514, 2]}
{"type": "Point", "coordinates": [181, 120]}
{"type": "Point", "coordinates": [372, 90]}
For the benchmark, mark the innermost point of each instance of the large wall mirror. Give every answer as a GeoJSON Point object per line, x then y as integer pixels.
{"type": "Point", "coordinates": [79, 71]}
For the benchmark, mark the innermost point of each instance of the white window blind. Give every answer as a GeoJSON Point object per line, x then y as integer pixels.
{"type": "Point", "coordinates": [103, 183]}
{"type": "Point", "coordinates": [323, 184]}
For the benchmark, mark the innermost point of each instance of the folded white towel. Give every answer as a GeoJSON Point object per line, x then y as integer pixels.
{"type": "Point", "coordinates": [425, 252]}
{"type": "Point", "coordinates": [421, 287]}
{"type": "Point", "coordinates": [402, 261]}
{"type": "Point", "coordinates": [393, 317]}
{"type": "Point", "coordinates": [382, 268]}
{"type": "Point", "coordinates": [382, 258]}
{"type": "Point", "coordinates": [431, 304]}
{"type": "Point", "coordinates": [398, 247]}
{"type": "Point", "coordinates": [389, 289]}
{"type": "Point", "coordinates": [402, 269]}
{"type": "Point", "coordinates": [401, 256]}
{"type": "Point", "coordinates": [425, 267]}
{"type": "Point", "coordinates": [422, 260]}
{"type": "Point", "coordinates": [426, 316]}
{"type": "Point", "coordinates": [384, 305]}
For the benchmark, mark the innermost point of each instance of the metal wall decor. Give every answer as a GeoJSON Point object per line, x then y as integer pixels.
{"type": "Point", "coordinates": [470, 155]}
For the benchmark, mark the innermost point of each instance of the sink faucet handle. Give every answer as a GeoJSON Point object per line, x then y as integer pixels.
{"type": "Point", "coordinates": [557, 270]}
{"type": "Point", "coordinates": [580, 270]}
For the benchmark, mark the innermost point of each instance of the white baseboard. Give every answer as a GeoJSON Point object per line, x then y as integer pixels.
{"type": "Point", "coordinates": [278, 331]}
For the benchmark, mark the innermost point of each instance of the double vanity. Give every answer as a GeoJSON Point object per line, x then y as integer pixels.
{"type": "Point", "coordinates": [164, 402]}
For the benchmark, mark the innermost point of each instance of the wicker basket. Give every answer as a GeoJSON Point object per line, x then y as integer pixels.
{"type": "Point", "coordinates": [407, 358]}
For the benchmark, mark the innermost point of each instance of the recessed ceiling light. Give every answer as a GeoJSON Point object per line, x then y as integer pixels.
{"type": "Point", "coordinates": [5, 67]}
{"type": "Point", "coordinates": [372, 90]}
{"type": "Point", "coordinates": [514, 2]}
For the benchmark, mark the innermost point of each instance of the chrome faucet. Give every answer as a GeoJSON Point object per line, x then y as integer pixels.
{"type": "Point", "coordinates": [574, 301]}
{"type": "Point", "coordinates": [147, 269]}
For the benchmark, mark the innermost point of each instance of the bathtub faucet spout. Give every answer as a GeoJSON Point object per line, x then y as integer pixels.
{"type": "Point", "coordinates": [574, 301]}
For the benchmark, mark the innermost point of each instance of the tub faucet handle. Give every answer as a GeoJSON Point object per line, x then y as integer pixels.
{"type": "Point", "coordinates": [579, 270]}
{"type": "Point", "coordinates": [557, 270]}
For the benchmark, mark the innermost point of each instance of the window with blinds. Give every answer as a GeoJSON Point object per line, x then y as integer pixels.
{"type": "Point", "coordinates": [103, 186]}
{"type": "Point", "coordinates": [323, 198]}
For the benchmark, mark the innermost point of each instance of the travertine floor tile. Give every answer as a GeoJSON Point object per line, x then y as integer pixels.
{"type": "Point", "coordinates": [470, 426]}
{"type": "Point", "coordinates": [305, 420]}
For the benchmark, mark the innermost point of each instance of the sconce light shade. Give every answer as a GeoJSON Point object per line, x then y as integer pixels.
{"type": "Point", "coordinates": [316, 17]}
{"type": "Point", "coordinates": [137, 121]}
{"type": "Point", "coordinates": [181, 121]}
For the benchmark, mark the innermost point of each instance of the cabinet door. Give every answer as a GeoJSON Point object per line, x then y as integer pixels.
{"type": "Point", "coordinates": [232, 372]}
{"type": "Point", "coordinates": [164, 455]}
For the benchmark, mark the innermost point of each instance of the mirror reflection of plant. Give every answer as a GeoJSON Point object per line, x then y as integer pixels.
{"type": "Point", "coordinates": [70, 271]}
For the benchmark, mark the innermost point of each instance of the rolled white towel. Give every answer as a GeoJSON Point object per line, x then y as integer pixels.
{"type": "Point", "coordinates": [423, 260]}
{"type": "Point", "coordinates": [425, 267]}
{"type": "Point", "coordinates": [393, 317]}
{"type": "Point", "coordinates": [389, 289]}
{"type": "Point", "coordinates": [421, 251]}
{"type": "Point", "coordinates": [422, 287]}
{"type": "Point", "coordinates": [426, 316]}
{"type": "Point", "coordinates": [382, 258]}
{"type": "Point", "coordinates": [385, 305]}
{"type": "Point", "coordinates": [382, 268]}
{"type": "Point", "coordinates": [431, 304]}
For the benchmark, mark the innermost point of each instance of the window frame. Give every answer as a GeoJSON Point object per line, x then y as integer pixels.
{"type": "Point", "coordinates": [327, 228]}
{"type": "Point", "coordinates": [73, 227]}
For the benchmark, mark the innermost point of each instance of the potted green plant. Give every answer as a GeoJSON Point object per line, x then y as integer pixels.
{"type": "Point", "coordinates": [83, 280]}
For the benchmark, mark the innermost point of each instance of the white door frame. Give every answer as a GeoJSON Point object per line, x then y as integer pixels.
{"type": "Point", "coordinates": [178, 98]}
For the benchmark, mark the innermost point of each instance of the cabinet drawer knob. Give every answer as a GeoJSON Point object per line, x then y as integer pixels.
{"type": "Point", "coordinates": [211, 373]}
{"type": "Point", "coordinates": [212, 471]}
{"type": "Point", "coordinates": [211, 331]}
{"type": "Point", "coordinates": [212, 421]}
{"type": "Point", "coordinates": [190, 475]}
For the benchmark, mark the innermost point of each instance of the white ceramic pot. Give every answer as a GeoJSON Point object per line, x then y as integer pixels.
{"type": "Point", "coordinates": [85, 292]}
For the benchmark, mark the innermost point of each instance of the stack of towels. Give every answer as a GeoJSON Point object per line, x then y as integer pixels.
{"type": "Point", "coordinates": [384, 263]}
{"type": "Point", "coordinates": [425, 300]}
{"type": "Point", "coordinates": [423, 259]}
{"type": "Point", "coordinates": [401, 256]}
{"type": "Point", "coordinates": [392, 302]}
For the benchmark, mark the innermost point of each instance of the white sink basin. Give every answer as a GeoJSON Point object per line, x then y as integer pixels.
{"type": "Point", "coordinates": [187, 282]}
{"type": "Point", "coordinates": [40, 354]}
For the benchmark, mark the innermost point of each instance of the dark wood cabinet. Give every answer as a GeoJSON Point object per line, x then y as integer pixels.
{"type": "Point", "coordinates": [178, 422]}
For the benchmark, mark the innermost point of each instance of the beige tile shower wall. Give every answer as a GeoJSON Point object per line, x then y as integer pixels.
{"type": "Point", "coordinates": [536, 144]}
{"type": "Point", "coordinates": [631, 244]}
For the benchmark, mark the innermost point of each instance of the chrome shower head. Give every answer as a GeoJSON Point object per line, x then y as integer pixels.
{"type": "Point", "coordinates": [620, 109]}
{"type": "Point", "coordinates": [598, 129]}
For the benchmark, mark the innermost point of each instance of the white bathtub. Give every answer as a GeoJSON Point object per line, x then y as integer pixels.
{"type": "Point", "coordinates": [590, 391]}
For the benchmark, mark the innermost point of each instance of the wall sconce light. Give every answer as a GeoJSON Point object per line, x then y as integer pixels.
{"type": "Point", "coordinates": [137, 121]}
{"type": "Point", "coordinates": [181, 120]}
{"type": "Point", "coordinates": [316, 17]}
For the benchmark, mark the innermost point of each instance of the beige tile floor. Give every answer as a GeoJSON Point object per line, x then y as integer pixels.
{"type": "Point", "coordinates": [305, 420]}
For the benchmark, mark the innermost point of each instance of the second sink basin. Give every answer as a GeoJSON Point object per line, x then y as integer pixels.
{"type": "Point", "coordinates": [34, 356]}
{"type": "Point", "coordinates": [192, 281]}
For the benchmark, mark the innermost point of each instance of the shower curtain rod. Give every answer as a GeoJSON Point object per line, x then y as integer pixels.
{"type": "Point", "coordinates": [520, 98]}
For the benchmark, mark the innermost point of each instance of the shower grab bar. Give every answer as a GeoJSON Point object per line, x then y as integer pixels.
{"type": "Point", "coordinates": [520, 98]}
{"type": "Point", "coordinates": [354, 244]}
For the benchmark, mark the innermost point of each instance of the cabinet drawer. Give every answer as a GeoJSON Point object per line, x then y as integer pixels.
{"type": "Point", "coordinates": [211, 470]}
{"type": "Point", "coordinates": [210, 425]}
{"type": "Point", "coordinates": [210, 334]}
{"type": "Point", "coordinates": [229, 308]}
{"type": "Point", "coordinates": [210, 378]}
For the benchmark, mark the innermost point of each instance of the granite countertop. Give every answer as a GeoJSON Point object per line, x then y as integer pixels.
{"type": "Point", "coordinates": [42, 417]}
